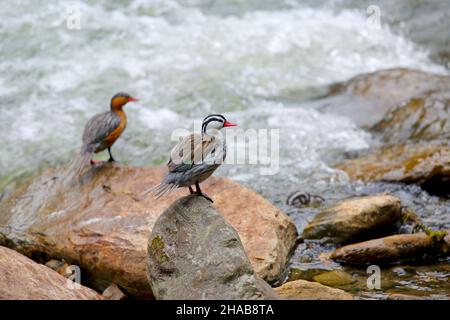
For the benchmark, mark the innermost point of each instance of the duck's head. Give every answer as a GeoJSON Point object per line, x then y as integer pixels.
{"type": "Point", "coordinates": [120, 99]}
{"type": "Point", "coordinates": [215, 122]}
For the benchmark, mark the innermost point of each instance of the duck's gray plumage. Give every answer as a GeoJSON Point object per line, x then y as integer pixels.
{"type": "Point", "coordinates": [192, 160]}
{"type": "Point", "coordinates": [98, 128]}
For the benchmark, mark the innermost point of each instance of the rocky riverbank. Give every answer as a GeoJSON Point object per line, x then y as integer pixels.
{"type": "Point", "coordinates": [126, 247]}
{"type": "Point", "coordinates": [240, 246]}
{"type": "Point", "coordinates": [409, 113]}
{"type": "Point", "coordinates": [103, 227]}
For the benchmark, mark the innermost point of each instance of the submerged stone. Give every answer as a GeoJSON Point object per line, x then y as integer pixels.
{"type": "Point", "coordinates": [306, 290]}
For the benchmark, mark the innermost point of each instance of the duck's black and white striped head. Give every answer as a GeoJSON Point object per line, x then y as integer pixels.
{"type": "Point", "coordinates": [215, 122]}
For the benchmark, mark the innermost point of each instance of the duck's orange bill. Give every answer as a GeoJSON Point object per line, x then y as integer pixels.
{"type": "Point", "coordinates": [132, 99]}
{"type": "Point", "coordinates": [229, 124]}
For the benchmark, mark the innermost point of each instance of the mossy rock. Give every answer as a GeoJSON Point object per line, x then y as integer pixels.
{"type": "Point", "coordinates": [156, 245]}
{"type": "Point", "coordinates": [426, 164]}
{"type": "Point", "coordinates": [419, 118]}
{"type": "Point", "coordinates": [306, 273]}
{"type": "Point", "coordinates": [335, 278]}
{"type": "Point", "coordinates": [383, 91]}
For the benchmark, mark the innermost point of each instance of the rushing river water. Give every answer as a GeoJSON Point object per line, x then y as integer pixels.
{"type": "Point", "coordinates": [186, 59]}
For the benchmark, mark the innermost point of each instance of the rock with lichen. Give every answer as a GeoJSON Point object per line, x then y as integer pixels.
{"type": "Point", "coordinates": [194, 253]}
{"type": "Point", "coordinates": [381, 92]}
{"type": "Point", "coordinates": [426, 164]}
{"type": "Point", "coordinates": [409, 111]}
{"type": "Point", "coordinates": [421, 118]}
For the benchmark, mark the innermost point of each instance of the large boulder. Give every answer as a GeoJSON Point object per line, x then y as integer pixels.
{"type": "Point", "coordinates": [393, 85]}
{"type": "Point", "coordinates": [194, 253]}
{"type": "Point", "coordinates": [425, 164]}
{"type": "Point", "coordinates": [409, 110]}
{"type": "Point", "coordinates": [356, 218]}
{"type": "Point", "coordinates": [306, 290]}
{"type": "Point", "coordinates": [393, 249]}
{"type": "Point", "coordinates": [102, 226]}
{"type": "Point", "coordinates": [425, 117]}
{"type": "Point", "coordinates": [23, 279]}
{"type": "Point", "coordinates": [377, 93]}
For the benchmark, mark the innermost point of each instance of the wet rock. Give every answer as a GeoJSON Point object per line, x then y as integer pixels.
{"type": "Point", "coordinates": [355, 218]}
{"type": "Point", "coordinates": [393, 249]}
{"type": "Point", "coordinates": [377, 93]}
{"type": "Point", "coordinates": [425, 117]}
{"type": "Point", "coordinates": [335, 278]}
{"type": "Point", "coordinates": [23, 279]}
{"type": "Point", "coordinates": [409, 110]}
{"type": "Point", "coordinates": [102, 227]}
{"type": "Point", "coordinates": [311, 258]}
{"type": "Point", "coordinates": [307, 271]}
{"type": "Point", "coordinates": [442, 57]}
{"type": "Point", "coordinates": [113, 292]}
{"type": "Point", "coordinates": [306, 290]}
{"type": "Point", "coordinates": [194, 253]}
{"type": "Point", "coordinates": [393, 85]}
{"type": "Point", "coordinates": [401, 296]}
{"type": "Point", "coordinates": [424, 164]}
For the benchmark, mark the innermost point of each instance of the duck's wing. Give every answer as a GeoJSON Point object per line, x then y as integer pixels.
{"type": "Point", "coordinates": [99, 128]}
{"type": "Point", "coordinates": [190, 151]}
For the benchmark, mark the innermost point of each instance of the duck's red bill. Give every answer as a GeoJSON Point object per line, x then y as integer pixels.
{"type": "Point", "coordinates": [132, 99]}
{"type": "Point", "coordinates": [229, 124]}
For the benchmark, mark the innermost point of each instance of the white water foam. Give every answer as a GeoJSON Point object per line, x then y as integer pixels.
{"type": "Point", "coordinates": [182, 63]}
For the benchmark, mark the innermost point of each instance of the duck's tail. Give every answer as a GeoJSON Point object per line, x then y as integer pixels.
{"type": "Point", "coordinates": [160, 191]}
{"type": "Point", "coordinates": [78, 165]}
